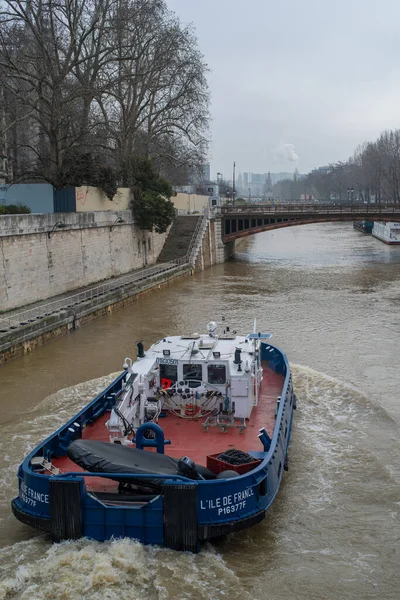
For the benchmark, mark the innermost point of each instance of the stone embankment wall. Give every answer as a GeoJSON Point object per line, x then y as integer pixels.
{"type": "Point", "coordinates": [37, 263]}
{"type": "Point", "coordinates": [34, 266]}
{"type": "Point", "coordinates": [90, 198]}
{"type": "Point", "coordinates": [94, 199]}
{"type": "Point", "coordinates": [191, 203]}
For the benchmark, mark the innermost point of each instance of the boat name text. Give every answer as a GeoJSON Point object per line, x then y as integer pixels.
{"type": "Point", "coordinates": [227, 504]}
{"type": "Point", "coordinates": [30, 496]}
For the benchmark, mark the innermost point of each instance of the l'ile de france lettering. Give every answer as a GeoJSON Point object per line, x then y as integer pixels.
{"type": "Point", "coordinates": [227, 504]}
{"type": "Point", "coordinates": [30, 496]}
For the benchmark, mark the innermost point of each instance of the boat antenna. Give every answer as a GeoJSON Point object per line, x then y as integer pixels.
{"type": "Point", "coordinates": [255, 326]}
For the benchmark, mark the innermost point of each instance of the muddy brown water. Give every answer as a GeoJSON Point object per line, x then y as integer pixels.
{"type": "Point", "coordinates": [331, 297]}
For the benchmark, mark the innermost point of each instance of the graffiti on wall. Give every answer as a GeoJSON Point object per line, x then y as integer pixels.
{"type": "Point", "coordinates": [81, 196]}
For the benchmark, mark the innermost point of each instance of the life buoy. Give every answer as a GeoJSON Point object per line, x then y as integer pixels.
{"type": "Point", "coordinates": [191, 410]}
{"type": "Point", "coordinates": [166, 383]}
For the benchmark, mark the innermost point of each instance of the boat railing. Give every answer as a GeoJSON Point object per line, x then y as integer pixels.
{"type": "Point", "coordinates": [73, 428]}
{"type": "Point", "coordinates": [125, 476]}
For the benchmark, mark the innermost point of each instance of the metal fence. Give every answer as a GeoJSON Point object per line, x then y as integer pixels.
{"type": "Point", "coordinates": [30, 315]}
{"type": "Point", "coordinates": [317, 208]}
{"type": "Point", "coordinates": [23, 317]}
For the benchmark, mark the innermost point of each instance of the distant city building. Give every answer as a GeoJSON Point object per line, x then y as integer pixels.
{"type": "Point", "coordinates": [212, 190]}
{"type": "Point", "coordinates": [275, 177]}
{"type": "Point", "coordinates": [259, 185]}
{"type": "Point", "coordinates": [268, 187]}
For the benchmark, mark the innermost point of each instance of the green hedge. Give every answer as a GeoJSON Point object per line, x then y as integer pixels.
{"type": "Point", "coordinates": [14, 209]}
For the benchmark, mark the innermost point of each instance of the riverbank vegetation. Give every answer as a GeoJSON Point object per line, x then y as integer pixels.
{"type": "Point", "coordinates": [14, 209]}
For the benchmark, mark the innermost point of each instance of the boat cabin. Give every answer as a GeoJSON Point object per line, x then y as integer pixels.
{"type": "Point", "coordinates": [194, 376]}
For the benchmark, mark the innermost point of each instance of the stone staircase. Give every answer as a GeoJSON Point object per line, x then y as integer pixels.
{"type": "Point", "coordinates": [179, 238]}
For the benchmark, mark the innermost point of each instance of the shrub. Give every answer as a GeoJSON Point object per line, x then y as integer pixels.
{"type": "Point", "coordinates": [85, 169]}
{"type": "Point", "coordinates": [14, 209]}
{"type": "Point", "coordinates": [152, 207]}
{"type": "Point", "coordinates": [152, 211]}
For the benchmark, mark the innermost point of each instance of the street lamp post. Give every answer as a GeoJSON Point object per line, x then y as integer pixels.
{"type": "Point", "coordinates": [234, 185]}
{"type": "Point", "coordinates": [249, 194]}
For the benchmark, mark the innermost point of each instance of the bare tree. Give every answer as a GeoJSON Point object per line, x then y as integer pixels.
{"type": "Point", "coordinates": [157, 100]}
{"type": "Point", "coordinates": [111, 77]}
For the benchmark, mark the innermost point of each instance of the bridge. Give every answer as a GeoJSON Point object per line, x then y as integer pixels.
{"type": "Point", "coordinates": [240, 221]}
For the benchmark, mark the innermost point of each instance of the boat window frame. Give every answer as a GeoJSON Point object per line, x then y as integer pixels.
{"type": "Point", "coordinates": [191, 365]}
{"type": "Point", "coordinates": [216, 364]}
{"type": "Point", "coordinates": [164, 376]}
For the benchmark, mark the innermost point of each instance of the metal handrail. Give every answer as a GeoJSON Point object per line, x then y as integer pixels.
{"type": "Point", "coordinates": [189, 257]}
{"type": "Point", "coordinates": [144, 476]}
{"type": "Point", "coordinates": [195, 241]}
{"type": "Point", "coordinates": [45, 310]}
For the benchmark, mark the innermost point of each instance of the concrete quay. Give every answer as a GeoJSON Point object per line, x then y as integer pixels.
{"type": "Point", "coordinates": [22, 331]}
{"type": "Point", "coordinates": [36, 309]}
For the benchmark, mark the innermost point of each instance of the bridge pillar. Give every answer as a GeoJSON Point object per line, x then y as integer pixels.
{"type": "Point", "coordinates": [212, 249]}
{"type": "Point", "coordinates": [222, 251]}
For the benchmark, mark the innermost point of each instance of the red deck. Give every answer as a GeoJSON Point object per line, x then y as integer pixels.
{"type": "Point", "coordinates": [188, 437]}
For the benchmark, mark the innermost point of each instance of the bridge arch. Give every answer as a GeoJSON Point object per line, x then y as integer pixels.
{"type": "Point", "coordinates": [242, 221]}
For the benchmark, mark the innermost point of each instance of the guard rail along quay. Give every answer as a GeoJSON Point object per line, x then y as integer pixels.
{"type": "Point", "coordinates": [23, 330]}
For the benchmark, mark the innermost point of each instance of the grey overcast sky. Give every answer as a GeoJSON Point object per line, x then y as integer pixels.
{"type": "Point", "coordinates": [296, 82]}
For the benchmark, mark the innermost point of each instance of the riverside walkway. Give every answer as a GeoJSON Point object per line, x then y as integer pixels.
{"type": "Point", "coordinates": [45, 308]}
{"type": "Point", "coordinates": [95, 293]}
{"type": "Point", "coordinates": [22, 329]}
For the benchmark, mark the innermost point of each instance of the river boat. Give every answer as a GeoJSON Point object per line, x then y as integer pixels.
{"type": "Point", "coordinates": [387, 232]}
{"type": "Point", "coordinates": [363, 226]}
{"type": "Point", "coordinates": [188, 443]}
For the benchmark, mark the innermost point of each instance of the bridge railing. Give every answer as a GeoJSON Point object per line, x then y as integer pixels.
{"type": "Point", "coordinates": [316, 208]}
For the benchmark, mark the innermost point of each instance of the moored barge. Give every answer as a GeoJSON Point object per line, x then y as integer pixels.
{"type": "Point", "coordinates": [387, 232]}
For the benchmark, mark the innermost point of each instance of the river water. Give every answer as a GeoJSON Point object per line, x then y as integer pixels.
{"type": "Point", "coordinates": [331, 296]}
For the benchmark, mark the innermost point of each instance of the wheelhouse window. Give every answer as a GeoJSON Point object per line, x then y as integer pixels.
{"type": "Point", "coordinates": [216, 374]}
{"type": "Point", "coordinates": [168, 375]}
{"type": "Point", "coordinates": [192, 372]}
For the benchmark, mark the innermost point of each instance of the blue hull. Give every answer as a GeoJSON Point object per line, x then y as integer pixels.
{"type": "Point", "coordinates": [186, 512]}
